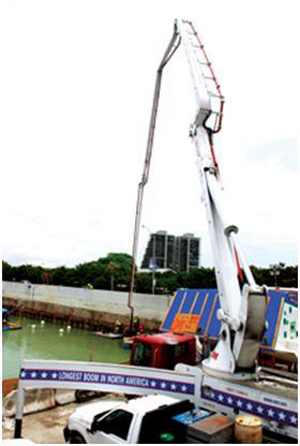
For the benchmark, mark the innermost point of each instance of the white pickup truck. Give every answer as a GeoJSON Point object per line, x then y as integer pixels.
{"type": "Point", "coordinates": [148, 419]}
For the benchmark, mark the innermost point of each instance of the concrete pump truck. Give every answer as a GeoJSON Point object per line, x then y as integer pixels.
{"type": "Point", "coordinates": [228, 381]}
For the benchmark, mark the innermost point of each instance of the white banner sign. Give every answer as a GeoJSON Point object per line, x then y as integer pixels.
{"type": "Point", "coordinates": [106, 378]}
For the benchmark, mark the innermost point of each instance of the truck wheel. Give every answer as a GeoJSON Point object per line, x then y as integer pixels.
{"type": "Point", "coordinates": [81, 396]}
{"type": "Point", "coordinates": [76, 438]}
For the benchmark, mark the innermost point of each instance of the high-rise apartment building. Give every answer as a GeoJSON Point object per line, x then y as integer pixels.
{"type": "Point", "coordinates": [166, 251]}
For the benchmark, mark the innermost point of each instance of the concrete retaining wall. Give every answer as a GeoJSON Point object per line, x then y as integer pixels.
{"type": "Point", "coordinates": [85, 303]}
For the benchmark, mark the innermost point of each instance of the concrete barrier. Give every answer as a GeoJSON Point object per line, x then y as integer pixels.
{"type": "Point", "coordinates": [64, 396]}
{"type": "Point", "coordinates": [35, 401]}
{"type": "Point", "coordinates": [96, 306]}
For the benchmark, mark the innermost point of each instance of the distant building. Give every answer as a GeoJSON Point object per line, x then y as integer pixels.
{"type": "Point", "coordinates": [165, 251]}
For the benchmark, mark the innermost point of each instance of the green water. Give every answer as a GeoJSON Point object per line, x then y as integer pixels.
{"type": "Point", "coordinates": [48, 342]}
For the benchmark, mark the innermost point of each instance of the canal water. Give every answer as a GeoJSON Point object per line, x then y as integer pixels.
{"type": "Point", "coordinates": [48, 341]}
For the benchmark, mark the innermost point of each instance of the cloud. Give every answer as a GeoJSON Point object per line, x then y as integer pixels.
{"type": "Point", "coordinates": [282, 153]}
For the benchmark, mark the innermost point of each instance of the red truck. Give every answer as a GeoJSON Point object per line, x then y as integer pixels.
{"type": "Point", "coordinates": [163, 350]}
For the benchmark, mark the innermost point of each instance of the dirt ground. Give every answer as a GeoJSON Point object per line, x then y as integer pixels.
{"type": "Point", "coordinates": [42, 427]}
{"type": "Point", "coordinates": [45, 427]}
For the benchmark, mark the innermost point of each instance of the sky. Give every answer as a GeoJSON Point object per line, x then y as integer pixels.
{"type": "Point", "coordinates": [77, 83]}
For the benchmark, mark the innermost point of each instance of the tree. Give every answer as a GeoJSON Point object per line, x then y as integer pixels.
{"type": "Point", "coordinates": [287, 278]}
{"type": "Point", "coordinates": [60, 276]}
{"type": "Point", "coordinates": [113, 272]}
{"type": "Point", "coordinates": [167, 281]}
{"type": "Point", "coordinates": [7, 271]}
{"type": "Point", "coordinates": [143, 283]}
{"type": "Point", "coordinates": [112, 268]}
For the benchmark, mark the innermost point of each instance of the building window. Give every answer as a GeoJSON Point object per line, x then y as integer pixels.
{"type": "Point", "coordinates": [178, 253]}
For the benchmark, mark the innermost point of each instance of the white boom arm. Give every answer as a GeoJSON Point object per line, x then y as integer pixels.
{"type": "Point", "coordinates": [243, 308]}
{"type": "Point", "coordinates": [243, 303]}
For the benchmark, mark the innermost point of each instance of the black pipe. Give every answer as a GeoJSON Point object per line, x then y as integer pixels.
{"type": "Point", "coordinates": [18, 428]}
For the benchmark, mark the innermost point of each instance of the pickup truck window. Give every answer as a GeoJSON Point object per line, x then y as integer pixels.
{"type": "Point", "coordinates": [116, 423]}
{"type": "Point", "coordinates": [142, 354]}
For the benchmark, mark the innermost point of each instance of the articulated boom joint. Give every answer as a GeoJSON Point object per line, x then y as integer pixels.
{"type": "Point", "coordinates": [233, 323]}
{"type": "Point", "coordinates": [229, 229]}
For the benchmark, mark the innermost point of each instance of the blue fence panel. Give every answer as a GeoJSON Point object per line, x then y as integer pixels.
{"type": "Point", "coordinates": [173, 310]}
{"type": "Point", "coordinates": [200, 302]}
{"type": "Point", "coordinates": [188, 301]}
{"type": "Point", "coordinates": [215, 324]}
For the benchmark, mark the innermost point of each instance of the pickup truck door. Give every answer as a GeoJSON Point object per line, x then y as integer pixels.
{"type": "Point", "coordinates": [113, 428]}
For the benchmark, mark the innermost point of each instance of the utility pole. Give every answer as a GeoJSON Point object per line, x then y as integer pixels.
{"type": "Point", "coordinates": [275, 271]}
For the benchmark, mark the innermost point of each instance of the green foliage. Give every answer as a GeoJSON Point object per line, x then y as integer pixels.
{"type": "Point", "coordinates": [198, 278]}
{"type": "Point", "coordinates": [143, 283]}
{"type": "Point", "coordinates": [113, 272]}
{"type": "Point", "coordinates": [287, 276]}
{"type": "Point", "coordinates": [62, 276]}
{"type": "Point", "coordinates": [167, 281]}
{"type": "Point", "coordinates": [24, 272]}
{"type": "Point", "coordinates": [7, 271]}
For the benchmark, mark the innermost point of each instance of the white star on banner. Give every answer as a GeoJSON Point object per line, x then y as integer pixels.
{"type": "Point", "coordinates": [163, 385]}
{"type": "Point", "coordinates": [260, 409]}
{"type": "Point", "coordinates": [293, 419]}
{"type": "Point", "coordinates": [239, 403]}
{"type": "Point", "coordinates": [212, 395]}
{"type": "Point", "coordinates": [229, 399]}
{"type": "Point", "coordinates": [44, 375]}
{"type": "Point", "coordinates": [270, 412]}
{"type": "Point", "coordinates": [54, 375]}
{"type": "Point", "coordinates": [173, 386]}
{"type": "Point", "coordinates": [281, 416]}
{"type": "Point", "coordinates": [153, 384]}
{"type": "Point", "coordinates": [23, 374]}
{"type": "Point", "coordinates": [183, 388]}
{"type": "Point", "coordinates": [220, 397]}
{"type": "Point", "coordinates": [249, 406]}
{"type": "Point", "coordinates": [33, 375]}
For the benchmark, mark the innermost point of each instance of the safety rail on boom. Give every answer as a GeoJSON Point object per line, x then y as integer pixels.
{"type": "Point", "coordinates": [204, 66]}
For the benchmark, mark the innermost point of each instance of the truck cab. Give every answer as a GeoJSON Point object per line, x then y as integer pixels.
{"type": "Point", "coordinates": [163, 350]}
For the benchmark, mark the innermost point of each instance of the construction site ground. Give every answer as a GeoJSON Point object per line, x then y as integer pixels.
{"type": "Point", "coordinates": [46, 427]}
